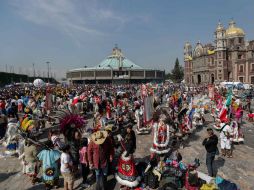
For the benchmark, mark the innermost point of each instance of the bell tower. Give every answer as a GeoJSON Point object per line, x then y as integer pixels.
{"type": "Point", "coordinates": [188, 63]}
{"type": "Point", "coordinates": [220, 37]}
{"type": "Point", "coordinates": [187, 51]}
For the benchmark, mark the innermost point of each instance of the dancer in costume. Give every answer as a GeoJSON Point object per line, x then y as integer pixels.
{"type": "Point", "coordinates": [237, 135]}
{"type": "Point", "coordinates": [141, 127]}
{"type": "Point", "coordinates": [71, 126]}
{"type": "Point", "coordinates": [49, 158]}
{"type": "Point", "coordinates": [161, 136]}
{"type": "Point", "coordinates": [127, 175]}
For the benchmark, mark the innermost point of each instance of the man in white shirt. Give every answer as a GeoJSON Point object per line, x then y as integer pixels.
{"type": "Point", "coordinates": [225, 134]}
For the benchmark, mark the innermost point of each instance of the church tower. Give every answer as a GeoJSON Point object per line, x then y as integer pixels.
{"type": "Point", "coordinates": [188, 63]}
{"type": "Point", "coordinates": [187, 51]}
{"type": "Point", "coordinates": [220, 38]}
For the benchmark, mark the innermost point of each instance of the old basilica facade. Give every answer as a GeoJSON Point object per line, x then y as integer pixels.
{"type": "Point", "coordinates": [230, 58]}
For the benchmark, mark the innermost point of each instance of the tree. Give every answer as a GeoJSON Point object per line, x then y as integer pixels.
{"type": "Point", "coordinates": [177, 73]}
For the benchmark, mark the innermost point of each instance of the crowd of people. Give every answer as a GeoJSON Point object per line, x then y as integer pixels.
{"type": "Point", "coordinates": [91, 131]}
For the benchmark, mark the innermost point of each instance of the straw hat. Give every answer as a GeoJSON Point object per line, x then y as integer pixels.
{"type": "Point", "coordinates": [109, 127]}
{"type": "Point", "coordinates": [99, 137]}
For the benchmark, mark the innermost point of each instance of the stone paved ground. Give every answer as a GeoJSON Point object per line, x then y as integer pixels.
{"type": "Point", "coordinates": [239, 169]}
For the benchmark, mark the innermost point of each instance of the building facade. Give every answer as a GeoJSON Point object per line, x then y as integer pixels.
{"type": "Point", "coordinates": [229, 58]}
{"type": "Point", "coordinates": [116, 69]}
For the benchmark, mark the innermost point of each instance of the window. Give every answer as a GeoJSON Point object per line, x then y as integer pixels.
{"type": "Point", "coordinates": [240, 40]}
{"type": "Point", "coordinates": [239, 56]}
{"type": "Point", "coordinates": [241, 69]}
{"type": "Point", "coordinates": [212, 60]}
{"type": "Point", "coordinates": [252, 67]}
{"type": "Point", "coordinates": [252, 80]}
{"type": "Point", "coordinates": [219, 71]}
{"type": "Point", "coordinates": [241, 79]}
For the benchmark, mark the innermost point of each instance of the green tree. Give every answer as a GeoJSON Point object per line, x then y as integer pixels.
{"type": "Point", "coordinates": [177, 73]}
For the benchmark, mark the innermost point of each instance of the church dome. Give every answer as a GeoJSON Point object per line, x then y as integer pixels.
{"type": "Point", "coordinates": [234, 31]}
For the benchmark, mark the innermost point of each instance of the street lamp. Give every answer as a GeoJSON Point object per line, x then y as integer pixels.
{"type": "Point", "coordinates": [48, 69]}
{"type": "Point", "coordinates": [34, 70]}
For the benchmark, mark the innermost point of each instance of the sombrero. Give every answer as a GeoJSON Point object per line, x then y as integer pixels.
{"type": "Point", "coordinates": [109, 127]}
{"type": "Point", "coordinates": [99, 137]}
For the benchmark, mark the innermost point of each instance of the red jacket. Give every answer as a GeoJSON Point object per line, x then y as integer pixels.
{"type": "Point", "coordinates": [101, 152]}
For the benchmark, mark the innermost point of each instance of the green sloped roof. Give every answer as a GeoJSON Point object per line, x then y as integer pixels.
{"type": "Point", "coordinates": [113, 62]}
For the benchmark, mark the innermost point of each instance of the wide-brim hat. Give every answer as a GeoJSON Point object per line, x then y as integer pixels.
{"type": "Point", "coordinates": [109, 127]}
{"type": "Point", "coordinates": [99, 137]}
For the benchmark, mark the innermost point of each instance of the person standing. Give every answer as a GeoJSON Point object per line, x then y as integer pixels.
{"type": "Point", "coordinates": [210, 143]}
{"type": "Point", "coordinates": [225, 139]}
{"type": "Point", "coordinates": [67, 168]}
{"type": "Point", "coordinates": [83, 158]}
{"type": "Point", "coordinates": [30, 159]}
{"type": "Point", "coordinates": [130, 141]}
{"type": "Point", "coordinates": [3, 125]}
{"type": "Point", "coordinates": [50, 160]}
{"type": "Point", "coordinates": [100, 152]}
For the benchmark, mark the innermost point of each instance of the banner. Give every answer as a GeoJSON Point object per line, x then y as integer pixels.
{"type": "Point", "coordinates": [211, 92]}
{"type": "Point", "coordinates": [48, 103]}
{"type": "Point", "coordinates": [148, 109]}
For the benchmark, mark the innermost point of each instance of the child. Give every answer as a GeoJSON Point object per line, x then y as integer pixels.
{"type": "Point", "coordinates": [67, 168]}
{"type": "Point", "coordinates": [83, 158]}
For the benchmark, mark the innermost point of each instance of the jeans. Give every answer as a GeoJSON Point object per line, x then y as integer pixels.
{"type": "Point", "coordinates": [209, 162]}
{"type": "Point", "coordinates": [101, 178]}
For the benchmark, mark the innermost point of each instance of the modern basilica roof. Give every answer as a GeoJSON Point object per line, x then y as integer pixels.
{"type": "Point", "coordinates": [114, 61]}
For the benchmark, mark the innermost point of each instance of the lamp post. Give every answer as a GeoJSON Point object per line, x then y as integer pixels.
{"type": "Point", "coordinates": [33, 71]}
{"type": "Point", "coordinates": [48, 69]}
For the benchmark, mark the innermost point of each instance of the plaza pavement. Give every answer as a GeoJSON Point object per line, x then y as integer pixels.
{"type": "Point", "coordinates": [239, 169]}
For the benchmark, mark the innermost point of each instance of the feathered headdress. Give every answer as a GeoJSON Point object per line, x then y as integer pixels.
{"type": "Point", "coordinates": [69, 120]}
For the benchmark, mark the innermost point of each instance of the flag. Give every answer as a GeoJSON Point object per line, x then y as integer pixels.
{"type": "Point", "coordinates": [223, 114]}
{"type": "Point", "coordinates": [210, 52]}
{"type": "Point", "coordinates": [229, 98]}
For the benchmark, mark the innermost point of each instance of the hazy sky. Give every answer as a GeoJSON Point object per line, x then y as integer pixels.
{"type": "Point", "coordinates": [75, 33]}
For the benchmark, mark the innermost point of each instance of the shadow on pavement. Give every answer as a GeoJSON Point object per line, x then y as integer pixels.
{"type": "Point", "coordinates": [4, 176]}
{"type": "Point", "coordinates": [218, 163]}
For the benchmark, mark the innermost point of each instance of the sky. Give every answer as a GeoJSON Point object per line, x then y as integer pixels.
{"type": "Point", "coordinates": [76, 33]}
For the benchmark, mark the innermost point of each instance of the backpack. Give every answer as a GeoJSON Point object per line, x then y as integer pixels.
{"type": "Point", "coordinates": [151, 180]}
{"type": "Point", "coordinates": [227, 185]}
{"type": "Point", "coordinates": [193, 178]}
